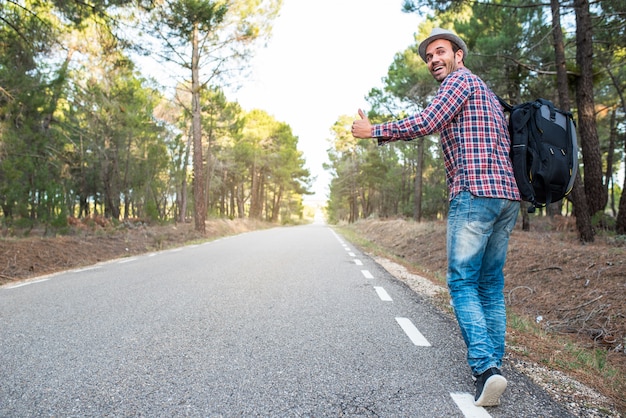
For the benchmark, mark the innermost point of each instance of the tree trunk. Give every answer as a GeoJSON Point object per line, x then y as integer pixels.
{"type": "Point", "coordinates": [561, 78]}
{"type": "Point", "coordinates": [417, 209]}
{"type": "Point", "coordinates": [241, 213]}
{"type": "Point", "coordinates": [210, 169]}
{"type": "Point", "coordinates": [609, 160]}
{"type": "Point", "coordinates": [559, 56]}
{"type": "Point", "coordinates": [366, 203]}
{"type": "Point", "coordinates": [353, 207]}
{"type": "Point", "coordinates": [256, 202]}
{"type": "Point", "coordinates": [111, 196]}
{"type": "Point", "coordinates": [621, 211]}
{"type": "Point", "coordinates": [276, 204]}
{"type": "Point", "coordinates": [578, 196]}
{"type": "Point", "coordinates": [525, 216]}
{"type": "Point", "coordinates": [620, 225]}
{"type": "Point", "coordinates": [594, 188]}
{"type": "Point", "coordinates": [231, 201]}
{"type": "Point", "coordinates": [110, 180]}
{"type": "Point", "coordinates": [581, 211]}
{"type": "Point", "coordinates": [198, 172]}
{"type": "Point", "coordinates": [183, 185]}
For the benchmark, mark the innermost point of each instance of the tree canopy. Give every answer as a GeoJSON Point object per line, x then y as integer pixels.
{"type": "Point", "coordinates": [83, 133]}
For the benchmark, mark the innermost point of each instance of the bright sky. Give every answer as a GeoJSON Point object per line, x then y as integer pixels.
{"type": "Point", "coordinates": [322, 60]}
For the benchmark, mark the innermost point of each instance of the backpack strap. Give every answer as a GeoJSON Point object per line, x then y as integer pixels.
{"type": "Point", "coordinates": [569, 120]}
{"type": "Point", "coordinates": [550, 107]}
{"type": "Point", "coordinates": [504, 104]}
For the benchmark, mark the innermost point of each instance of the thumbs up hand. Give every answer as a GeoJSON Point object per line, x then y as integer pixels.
{"type": "Point", "coordinates": [362, 128]}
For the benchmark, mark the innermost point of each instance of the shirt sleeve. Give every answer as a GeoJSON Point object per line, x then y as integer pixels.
{"type": "Point", "coordinates": [452, 95]}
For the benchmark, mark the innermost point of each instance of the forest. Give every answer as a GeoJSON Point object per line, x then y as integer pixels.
{"type": "Point", "coordinates": [83, 133]}
{"type": "Point", "coordinates": [572, 53]}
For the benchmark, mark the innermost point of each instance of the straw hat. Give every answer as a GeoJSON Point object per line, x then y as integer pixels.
{"type": "Point", "coordinates": [439, 33]}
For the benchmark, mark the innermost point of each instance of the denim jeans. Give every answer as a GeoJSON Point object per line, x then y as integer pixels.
{"type": "Point", "coordinates": [477, 240]}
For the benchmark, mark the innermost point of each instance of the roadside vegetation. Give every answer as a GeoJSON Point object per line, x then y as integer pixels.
{"type": "Point", "coordinates": [87, 133]}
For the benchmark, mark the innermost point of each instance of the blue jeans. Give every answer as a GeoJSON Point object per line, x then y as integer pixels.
{"type": "Point", "coordinates": [477, 240]}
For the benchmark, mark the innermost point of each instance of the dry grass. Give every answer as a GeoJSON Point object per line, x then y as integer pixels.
{"type": "Point", "coordinates": [90, 242]}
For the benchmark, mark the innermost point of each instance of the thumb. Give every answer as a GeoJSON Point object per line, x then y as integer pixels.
{"type": "Point", "coordinates": [362, 114]}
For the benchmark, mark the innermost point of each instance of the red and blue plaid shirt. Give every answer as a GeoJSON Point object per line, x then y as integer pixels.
{"type": "Point", "coordinates": [474, 136]}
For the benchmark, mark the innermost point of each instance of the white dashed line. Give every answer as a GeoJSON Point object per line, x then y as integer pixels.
{"type": "Point", "coordinates": [416, 337]}
{"type": "Point", "coordinates": [382, 294]}
{"type": "Point", "coordinates": [465, 402]}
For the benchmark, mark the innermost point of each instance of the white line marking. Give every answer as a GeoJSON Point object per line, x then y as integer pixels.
{"type": "Point", "coordinates": [367, 274]}
{"type": "Point", "coordinates": [465, 402]}
{"type": "Point", "coordinates": [127, 260]}
{"type": "Point", "coordinates": [352, 254]}
{"type": "Point", "coordinates": [358, 262]}
{"type": "Point", "coordinates": [382, 294]}
{"type": "Point", "coordinates": [416, 337]}
{"type": "Point", "coordinates": [26, 283]}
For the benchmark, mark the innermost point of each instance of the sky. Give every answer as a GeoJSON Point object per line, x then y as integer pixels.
{"type": "Point", "coordinates": [322, 60]}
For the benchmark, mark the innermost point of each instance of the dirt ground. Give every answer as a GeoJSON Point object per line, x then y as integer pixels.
{"type": "Point", "coordinates": [26, 254]}
{"type": "Point", "coordinates": [569, 299]}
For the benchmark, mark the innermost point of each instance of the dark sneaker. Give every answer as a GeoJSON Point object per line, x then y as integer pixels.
{"type": "Point", "coordinates": [489, 387]}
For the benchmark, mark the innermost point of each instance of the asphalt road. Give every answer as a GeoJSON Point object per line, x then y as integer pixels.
{"type": "Point", "coordinates": [287, 322]}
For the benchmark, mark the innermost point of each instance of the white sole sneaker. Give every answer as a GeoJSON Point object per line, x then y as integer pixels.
{"type": "Point", "coordinates": [493, 388]}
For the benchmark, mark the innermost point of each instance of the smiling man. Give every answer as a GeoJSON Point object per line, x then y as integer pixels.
{"type": "Point", "coordinates": [484, 199]}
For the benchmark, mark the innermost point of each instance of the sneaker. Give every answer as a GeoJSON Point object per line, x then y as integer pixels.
{"type": "Point", "coordinates": [489, 387]}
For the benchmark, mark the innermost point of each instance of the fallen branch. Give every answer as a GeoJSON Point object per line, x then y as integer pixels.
{"type": "Point", "coordinates": [546, 268]}
{"type": "Point", "coordinates": [519, 287]}
{"type": "Point", "coordinates": [581, 305]}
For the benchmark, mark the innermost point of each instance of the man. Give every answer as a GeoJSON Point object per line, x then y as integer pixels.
{"type": "Point", "coordinates": [484, 199]}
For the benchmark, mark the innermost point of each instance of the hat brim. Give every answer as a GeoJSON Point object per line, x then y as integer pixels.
{"type": "Point", "coordinates": [448, 36]}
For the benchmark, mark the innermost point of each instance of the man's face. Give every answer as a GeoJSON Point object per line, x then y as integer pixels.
{"type": "Point", "coordinates": [441, 59]}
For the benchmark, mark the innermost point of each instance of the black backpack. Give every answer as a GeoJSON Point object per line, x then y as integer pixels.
{"type": "Point", "coordinates": [544, 151]}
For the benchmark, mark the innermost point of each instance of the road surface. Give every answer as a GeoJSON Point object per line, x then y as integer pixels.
{"type": "Point", "coordinates": [286, 322]}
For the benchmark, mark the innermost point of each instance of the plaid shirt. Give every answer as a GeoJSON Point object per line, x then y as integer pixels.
{"type": "Point", "coordinates": [474, 136]}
